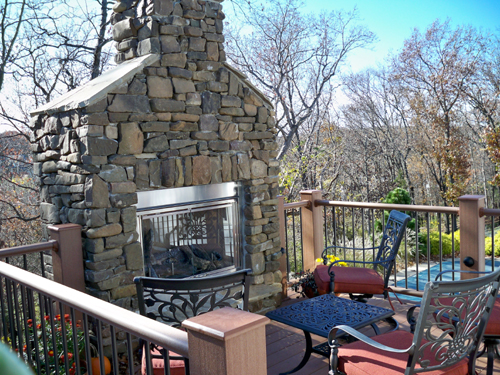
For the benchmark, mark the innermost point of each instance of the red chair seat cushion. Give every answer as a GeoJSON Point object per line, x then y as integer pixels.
{"type": "Point", "coordinates": [177, 366]}
{"type": "Point", "coordinates": [493, 326]}
{"type": "Point", "coordinates": [359, 358]}
{"type": "Point", "coordinates": [349, 280]}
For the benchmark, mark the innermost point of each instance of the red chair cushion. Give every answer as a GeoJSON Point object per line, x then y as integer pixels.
{"type": "Point", "coordinates": [493, 326]}
{"type": "Point", "coordinates": [177, 366]}
{"type": "Point", "coordinates": [349, 280]}
{"type": "Point", "coordinates": [359, 358]}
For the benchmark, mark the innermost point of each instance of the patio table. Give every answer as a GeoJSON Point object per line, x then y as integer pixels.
{"type": "Point", "coordinates": [319, 315]}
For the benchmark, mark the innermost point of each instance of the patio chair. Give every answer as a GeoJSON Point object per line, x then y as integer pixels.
{"type": "Point", "coordinates": [436, 345]}
{"type": "Point", "coordinates": [360, 282]}
{"type": "Point", "coordinates": [171, 301]}
{"type": "Point", "coordinates": [491, 337]}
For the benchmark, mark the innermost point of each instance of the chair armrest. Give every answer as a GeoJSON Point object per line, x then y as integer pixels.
{"type": "Point", "coordinates": [411, 319]}
{"type": "Point", "coordinates": [459, 271]}
{"type": "Point", "coordinates": [361, 337]}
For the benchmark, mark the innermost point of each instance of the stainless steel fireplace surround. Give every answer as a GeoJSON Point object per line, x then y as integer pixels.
{"type": "Point", "coordinates": [190, 230]}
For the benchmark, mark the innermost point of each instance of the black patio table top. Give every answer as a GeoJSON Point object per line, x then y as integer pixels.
{"type": "Point", "coordinates": [319, 315]}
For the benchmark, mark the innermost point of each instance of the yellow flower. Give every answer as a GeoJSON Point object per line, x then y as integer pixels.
{"type": "Point", "coordinates": [331, 259]}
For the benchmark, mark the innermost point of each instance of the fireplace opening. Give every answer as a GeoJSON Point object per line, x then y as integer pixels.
{"type": "Point", "coordinates": [189, 231]}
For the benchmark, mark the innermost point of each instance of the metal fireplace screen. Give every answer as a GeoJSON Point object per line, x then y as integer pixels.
{"type": "Point", "coordinates": [196, 238]}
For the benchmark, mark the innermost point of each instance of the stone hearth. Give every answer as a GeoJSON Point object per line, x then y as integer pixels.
{"type": "Point", "coordinates": [171, 114]}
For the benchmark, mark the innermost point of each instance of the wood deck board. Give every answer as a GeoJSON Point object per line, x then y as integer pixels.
{"type": "Point", "coordinates": [286, 345]}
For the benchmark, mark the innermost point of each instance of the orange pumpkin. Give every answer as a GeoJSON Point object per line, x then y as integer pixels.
{"type": "Point", "coordinates": [96, 366]}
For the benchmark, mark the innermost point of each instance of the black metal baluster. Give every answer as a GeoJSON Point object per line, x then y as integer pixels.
{"type": "Point", "coordinates": [43, 322]}
{"type": "Point", "coordinates": [10, 312]}
{"type": "Point", "coordinates": [114, 349]}
{"type": "Point", "coordinates": [417, 250]}
{"type": "Point", "coordinates": [294, 243]}
{"type": "Point", "coordinates": [286, 248]}
{"type": "Point", "coordinates": [31, 305]}
{"type": "Point", "coordinates": [88, 347]}
{"type": "Point", "coordinates": [2, 305]}
{"type": "Point", "coordinates": [301, 242]}
{"type": "Point", "coordinates": [76, 347]}
{"type": "Point", "coordinates": [492, 243]}
{"type": "Point", "coordinates": [343, 231]}
{"type": "Point", "coordinates": [130, 352]}
{"type": "Point", "coordinates": [100, 348]}
{"type": "Point", "coordinates": [54, 333]}
{"type": "Point", "coordinates": [453, 226]}
{"type": "Point", "coordinates": [42, 264]}
{"type": "Point", "coordinates": [427, 223]}
{"type": "Point", "coordinates": [325, 225]}
{"type": "Point", "coordinates": [26, 316]}
{"type": "Point", "coordinates": [440, 244]}
{"type": "Point", "coordinates": [64, 338]}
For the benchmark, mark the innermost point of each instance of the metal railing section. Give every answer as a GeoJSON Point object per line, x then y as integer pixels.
{"type": "Point", "coordinates": [293, 237]}
{"type": "Point", "coordinates": [29, 257]}
{"type": "Point", "coordinates": [58, 330]}
{"type": "Point", "coordinates": [492, 224]}
{"type": "Point", "coordinates": [359, 224]}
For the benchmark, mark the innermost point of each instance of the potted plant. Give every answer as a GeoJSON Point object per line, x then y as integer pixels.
{"type": "Point", "coordinates": [305, 284]}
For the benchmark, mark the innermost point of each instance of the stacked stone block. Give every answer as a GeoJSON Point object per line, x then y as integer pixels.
{"type": "Point", "coordinates": [187, 119]}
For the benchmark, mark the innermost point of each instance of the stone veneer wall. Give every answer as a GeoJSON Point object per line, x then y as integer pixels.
{"type": "Point", "coordinates": [185, 119]}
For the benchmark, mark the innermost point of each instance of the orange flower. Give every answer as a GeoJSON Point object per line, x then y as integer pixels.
{"type": "Point", "coordinates": [25, 347]}
{"type": "Point", "coordinates": [47, 318]}
{"type": "Point", "coordinates": [38, 326]}
{"type": "Point", "coordinates": [70, 356]}
{"type": "Point", "coordinates": [30, 322]}
{"type": "Point", "coordinates": [71, 371]}
{"type": "Point", "coordinates": [58, 317]}
{"type": "Point", "coordinates": [51, 353]}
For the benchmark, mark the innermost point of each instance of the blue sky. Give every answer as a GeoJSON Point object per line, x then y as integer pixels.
{"type": "Point", "coordinates": [394, 20]}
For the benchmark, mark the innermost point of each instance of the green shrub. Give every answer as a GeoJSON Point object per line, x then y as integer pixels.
{"type": "Point", "coordinates": [488, 247]}
{"type": "Point", "coordinates": [396, 196]}
{"type": "Point", "coordinates": [434, 242]}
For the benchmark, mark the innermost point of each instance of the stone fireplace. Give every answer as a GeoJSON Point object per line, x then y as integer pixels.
{"type": "Point", "coordinates": [122, 154]}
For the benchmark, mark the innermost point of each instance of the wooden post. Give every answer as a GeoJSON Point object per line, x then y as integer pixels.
{"type": "Point", "coordinates": [312, 229]}
{"type": "Point", "coordinates": [227, 341]}
{"type": "Point", "coordinates": [67, 260]}
{"type": "Point", "coordinates": [283, 259]}
{"type": "Point", "coordinates": [471, 233]}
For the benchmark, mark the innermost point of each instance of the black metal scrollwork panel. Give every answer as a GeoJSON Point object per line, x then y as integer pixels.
{"type": "Point", "coordinates": [173, 307]}
{"type": "Point", "coordinates": [451, 327]}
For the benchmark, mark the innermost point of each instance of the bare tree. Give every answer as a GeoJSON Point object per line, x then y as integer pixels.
{"type": "Point", "coordinates": [60, 45]}
{"type": "Point", "coordinates": [293, 57]}
{"type": "Point", "coordinates": [436, 68]}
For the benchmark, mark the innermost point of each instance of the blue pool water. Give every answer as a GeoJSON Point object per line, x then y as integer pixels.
{"type": "Point", "coordinates": [434, 271]}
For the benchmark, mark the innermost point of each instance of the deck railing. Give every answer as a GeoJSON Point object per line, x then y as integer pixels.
{"type": "Point", "coordinates": [434, 236]}
{"type": "Point", "coordinates": [58, 330]}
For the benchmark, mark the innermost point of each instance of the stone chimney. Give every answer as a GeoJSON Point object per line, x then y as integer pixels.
{"type": "Point", "coordinates": [171, 114]}
{"type": "Point", "coordinates": [181, 31]}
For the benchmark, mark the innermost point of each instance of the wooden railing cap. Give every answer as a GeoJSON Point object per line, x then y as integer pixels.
{"type": "Point", "coordinates": [63, 227]}
{"type": "Point", "coordinates": [470, 197]}
{"type": "Point", "coordinates": [224, 324]}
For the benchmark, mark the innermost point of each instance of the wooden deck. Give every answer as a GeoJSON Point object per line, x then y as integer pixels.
{"type": "Point", "coordinates": [286, 345]}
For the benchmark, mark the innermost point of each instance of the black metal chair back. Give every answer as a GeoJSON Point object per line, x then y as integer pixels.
{"type": "Point", "coordinates": [466, 306]}
{"type": "Point", "coordinates": [394, 232]}
{"type": "Point", "coordinates": [172, 301]}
